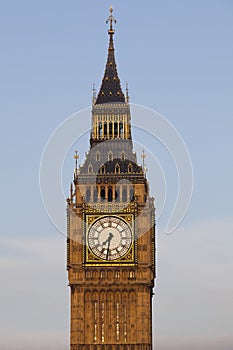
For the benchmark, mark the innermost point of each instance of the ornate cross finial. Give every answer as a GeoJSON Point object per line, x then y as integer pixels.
{"type": "Point", "coordinates": [110, 20]}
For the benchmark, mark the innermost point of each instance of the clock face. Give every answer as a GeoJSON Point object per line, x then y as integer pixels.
{"type": "Point", "coordinates": [109, 238]}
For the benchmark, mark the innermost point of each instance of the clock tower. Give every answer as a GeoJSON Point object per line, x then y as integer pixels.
{"type": "Point", "coordinates": [111, 230]}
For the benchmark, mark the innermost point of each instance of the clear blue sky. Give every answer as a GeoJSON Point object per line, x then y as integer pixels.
{"type": "Point", "coordinates": [177, 57]}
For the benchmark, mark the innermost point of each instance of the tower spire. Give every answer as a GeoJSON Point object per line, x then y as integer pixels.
{"type": "Point", "coordinates": [110, 91]}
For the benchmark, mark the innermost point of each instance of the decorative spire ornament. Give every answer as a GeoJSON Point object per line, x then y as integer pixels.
{"type": "Point", "coordinates": [76, 157]}
{"type": "Point", "coordinates": [111, 20]}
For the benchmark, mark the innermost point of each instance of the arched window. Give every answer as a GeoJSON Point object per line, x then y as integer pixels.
{"type": "Point", "coordinates": [102, 194]}
{"type": "Point", "coordinates": [117, 169]}
{"type": "Point", "coordinates": [90, 169]}
{"type": "Point", "coordinates": [102, 274]}
{"type": "Point", "coordinates": [117, 274]}
{"type": "Point", "coordinates": [124, 194]}
{"type": "Point", "coordinates": [131, 274]}
{"type": "Point", "coordinates": [122, 155]}
{"type": "Point", "coordinates": [97, 156]}
{"type": "Point", "coordinates": [102, 170]}
{"type": "Point", "coordinates": [130, 168]}
{"type": "Point", "coordinates": [110, 156]}
{"type": "Point", "coordinates": [105, 129]}
{"type": "Point", "coordinates": [95, 195]}
{"type": "Point", "coordinates": [88, 195]}
{"type": "Point", "coordinates": [110, 194]}
{"type": "Point", "coordinates": [100, 129]}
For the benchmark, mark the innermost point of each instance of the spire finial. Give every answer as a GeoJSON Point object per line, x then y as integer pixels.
{"type": "Point", "coordinates": [143, 162]}
{"type": "Point", "coordinates": [76, 157]}
{"type": "Point", "coordinates": [110, 20]}
{"type": "Point", "coordinates": [127, 92]}
{"type": "Point", "coordinates": [93, 94]}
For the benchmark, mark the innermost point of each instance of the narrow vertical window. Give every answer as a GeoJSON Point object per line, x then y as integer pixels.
{"type": "Point", "coordinates": [95, 321]}
{"type": "Point", "coordinates": [117, 169]}
{"type": "Point", "coordinates": [102, 194]}
{"type": "Point", "coordinates": [117, 321]}
{"type": "Point", "coordinates": [121, 129]}
{"type": "Point", "coordinates": [100, 130]}
{"type": "Point", "coordinates": [131, 194]}
{"type": "Point", "coordinates": [88, 195]}
{"type": "Point", "coordinates": [110, 156]}
{"type": "Point", "coordinates": [95, 195]}
{"type": "Point", "coordinates": [110, 194]}
{"type": "Point", "coordinates": [130, 168]}
{"type": "Point", "coordinates": [97, 156]}
{"type": "Point", "coordinates": [132, 274]}
{"type": "Point", "coordinates": [90, 169]}
{"type": "Point", "coordinates": [115, 129]}
{"type": "Point", "coordinates": [110, 129]}
{"type": "Point", "coordinates": [125, 322]}
{"type": "Point", "coordinates": [105, 129]}
{"type": "Point", "coordinates": [117, 274]}
{"type": "Point", "coordinates": [117, 195]}
{"type": "Point", "coordinates": [102, 170]}
{"type": "Point", "coordinates": [102, 321]}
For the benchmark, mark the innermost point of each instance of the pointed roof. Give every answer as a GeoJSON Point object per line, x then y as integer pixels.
{"type": "Point", "coordinates": [110, 90]}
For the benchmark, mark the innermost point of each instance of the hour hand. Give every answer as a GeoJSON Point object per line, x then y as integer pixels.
{"type": "Point", "coordinates": [109, 238]}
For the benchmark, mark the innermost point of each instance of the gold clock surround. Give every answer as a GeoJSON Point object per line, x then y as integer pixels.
{"type": "Point", "coordinates": [127, 259]}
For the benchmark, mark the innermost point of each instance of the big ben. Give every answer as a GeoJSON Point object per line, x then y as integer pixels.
{"type": "Point", "coordinates": [111, 230]}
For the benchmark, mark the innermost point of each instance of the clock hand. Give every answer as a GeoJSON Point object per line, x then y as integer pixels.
{"type": "Point", "coordinates": [108, 249]}
{"type": "Point", "coordinates": [109, 238]}
{"type": "Point", "coordinates": [108, 241]}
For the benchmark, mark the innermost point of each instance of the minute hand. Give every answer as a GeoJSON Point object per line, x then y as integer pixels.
{"type": "Point", "coordinates": [108, 241]}
{"type": "Point", "coordinates": [108, 249]}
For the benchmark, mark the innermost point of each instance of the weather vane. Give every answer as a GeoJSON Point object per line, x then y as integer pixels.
{"type": "Point", "coordinates": [110, 20]}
